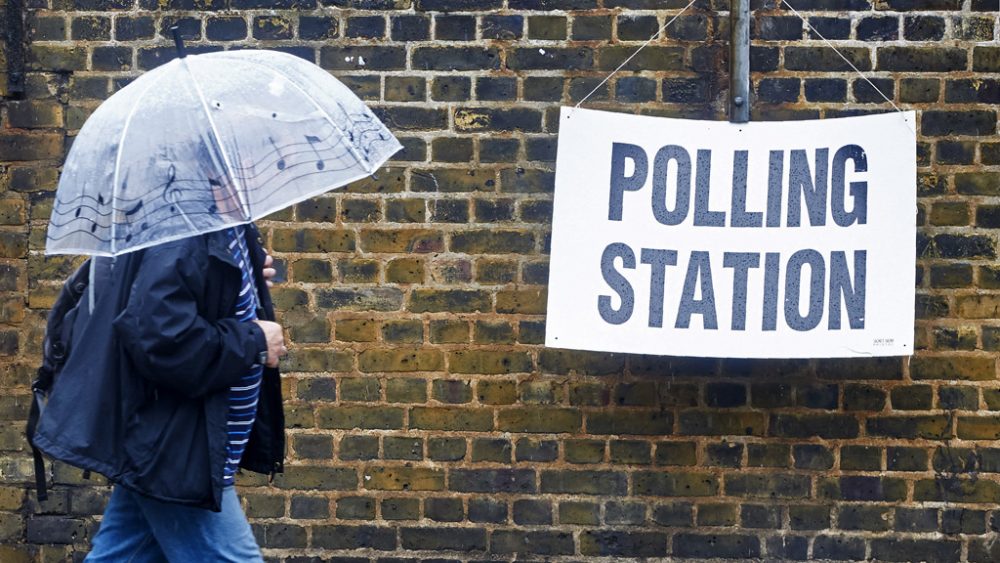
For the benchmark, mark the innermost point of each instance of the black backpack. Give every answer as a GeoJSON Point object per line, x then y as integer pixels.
{"type": "Point", "coordinates": [55, 350]}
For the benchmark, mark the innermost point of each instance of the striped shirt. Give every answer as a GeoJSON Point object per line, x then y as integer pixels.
{"type": "Point", "coordinates": [242, 396]}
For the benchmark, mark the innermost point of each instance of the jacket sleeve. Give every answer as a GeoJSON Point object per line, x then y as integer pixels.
{"type": "Point", "coordinates": [167, 339]}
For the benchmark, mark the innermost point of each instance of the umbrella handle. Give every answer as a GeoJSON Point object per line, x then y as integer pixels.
{"type": "Point", "coordinates": [178, 42]}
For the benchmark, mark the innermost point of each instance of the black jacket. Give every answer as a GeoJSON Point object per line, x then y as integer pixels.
{"type": "Point", "coordinates": [143, 395]}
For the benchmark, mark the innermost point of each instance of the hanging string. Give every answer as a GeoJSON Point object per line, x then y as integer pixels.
{"type": "Point", "coordinates": [632, 56]}
{"type": "Point", "coordinates": [841, 55]}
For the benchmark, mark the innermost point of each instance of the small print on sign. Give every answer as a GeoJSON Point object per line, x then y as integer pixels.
{"type": "Point", "coordinates": [756, 240]}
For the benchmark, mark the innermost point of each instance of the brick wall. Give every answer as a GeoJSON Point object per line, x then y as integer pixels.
{"type": "Point", "coordinates": [426, 421]}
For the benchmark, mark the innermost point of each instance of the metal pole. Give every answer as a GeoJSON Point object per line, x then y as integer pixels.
{"type": "Point", "coordinates": [739, 61]}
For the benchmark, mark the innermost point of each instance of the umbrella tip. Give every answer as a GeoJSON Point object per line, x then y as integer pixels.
{"type": "Point", "coordinates": [178, 42]}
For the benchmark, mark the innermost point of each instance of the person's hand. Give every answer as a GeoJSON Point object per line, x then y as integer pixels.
{"type": "Point", "coordinates": [268, 271]}
{"type": "Point", "coordinates": [275, 342]}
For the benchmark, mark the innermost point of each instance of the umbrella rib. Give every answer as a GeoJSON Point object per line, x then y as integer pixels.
{"type": "Point", "coordinates": [238, 189]}
{"type": "Point", "coordinates": [315, 104]}
{"type": "Point", "coordinates": [118, 155]}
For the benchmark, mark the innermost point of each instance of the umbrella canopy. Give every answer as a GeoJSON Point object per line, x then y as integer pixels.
{"type": "Point", "coordinates": [206, 142]}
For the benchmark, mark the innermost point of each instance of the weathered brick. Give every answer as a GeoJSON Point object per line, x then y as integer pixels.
{"type": "Point", "coordinates": [316, 477]}
{"type": "Point", "coordinates": [360, 417]}
{"type": "Point", "coordinates": [912, 397]}
{"type": "Point", "coordinates": [412, 118]}
{"type": "Point", "coordinates": [451, 391]}
{"type": "Point", "coordinates": [532, 512]}
{"type": "Point", "coordinates": [496, 392]}
{"type": "Point", "coordinates": [446, 449]}
{"type": "Point", "coordinates": [809, 517]}
{"type": "Point", "coordinates": [531, 449]}
{"type": "Point", "coordinates": [362, 58]}
{"type": "Point", "coordinates": [438, 538]}
{"type": "Point", "coordinates": [478, 119]}
{"type": "Point", "coordinates": [406, 390]}
{"type": "Point", "coordinates": [584, 451]}
{"type": "Point", "coordinates": [978, 428]}
{"type": "Point", "coordinates": [971, 122]}
{"type": "Point", "coordinates": [35, 146]}
{"type": "Point", "coordinates": [717, 423]}
{"type": "Point", "coordinates": [365, 389]}
{"type": "Point", "coordinates": [906, 459]}
{"type": "Point", "coordinates": [674, 483]}
{"type": "Point", "coordinates": [35, 114]}
{"type": "Point", "coordinates": [975, 368]}
{"type": "Point", "coordinates": [55, 58]}
{"type": "Point", "coordinates": [772, 485]}
{"type": "Point", "coordinates": [487, 510]}
{"type": "Point", "coordinates": [963, 398]}
{"type": "Point", "coordinates": [726, 454]}
{"type": "Point", "coordinates": [810, 456]}
{"type": "Point", "coordinates": [455, 58]}
{"type": "Point", "coordinates": [539, 419]}
{"type": "Point", "coordinates": [400, 360]}
{"type": "Point", "coordinates": [555, 58]}
{"type": "Point", "coordinates": [977, 183]}
{"type": "Point", "coordinates": [400, 508]}
{"type": "Point", "coordinates": [705, 546]}
{"type": "Point", "coordinates": [489, 362]}
{"type": "Point", "coordinates": [451, 149]}
{"type": "Point", "coordinates": [927, 426]}
{"type": "Point", "coordinates": [303, 507]}
{"type": "Point", "coordinates": [313, 447]}
{"type": "Point", "coordinates": [401, 240]}
{"type": "Point", "coordinates": [399, 478]}
{"type": "Point", "coordinates": [353, 537]}
{"type": "Point", "coordinates": [860, 488]}
{"type": "Point", "coordinates": [52, 529]}
{"type": "Point", "coordinates": [541, 543]}
{"type": "Point", "coordinates": [650, 58]}
{"type": "Point", "coordinates": [408, 331]}
{"type": "Point", "coordinates": [583, 482]}
{"type": "Point", "coordinates": [454, 27]}
{"type": "Point", "coordinates": [454, 300]}
{"type": "Point", "coordinates": [495, 333]}
{"type": "Point", "coordinates": [317, 28]}
{"type": "Point", "coordinates": [962, 246]}
{"type": "Point", "coordinates": [822, 58]}
{"type": "Point", "coordinates": [898, 549]}
{"type": "Point", "coordinates": [404, 270]}
{"type": "Point", "coordinates": [768, 455]}
{"type": "Point", "coordinates": [859, 517]}
{"type": "Point", "coordinates": [565, 361]}
{"type": "Point", "coordinates": [609, 543]}
{"type": "Point", "coordinates": [839, 547]}
{"type": "Point", "coordinates": [443, 509]}
{"type": "Point", "coordinates": [312, 240]}
{"type": "Point", "coordinates": [444, 418]}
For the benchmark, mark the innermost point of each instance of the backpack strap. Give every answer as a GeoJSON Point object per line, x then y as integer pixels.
{"type": "Point", "coordinates": [33, 415]}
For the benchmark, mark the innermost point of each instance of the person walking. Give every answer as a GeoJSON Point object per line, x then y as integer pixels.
{"type": "Point", "coordinates": [170, 387]}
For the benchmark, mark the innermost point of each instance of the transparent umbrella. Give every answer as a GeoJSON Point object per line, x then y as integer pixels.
{"type": "Point", "coordinates": [206, 142]}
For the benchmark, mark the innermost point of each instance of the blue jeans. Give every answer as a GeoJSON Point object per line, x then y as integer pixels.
{"type": "Point", "coordinates": [137, 529]}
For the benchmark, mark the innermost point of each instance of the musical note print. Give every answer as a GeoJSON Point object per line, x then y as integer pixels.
{"type": "Point", "coordinates": [281, 159]}
{"type": "Point", "coordinates": [171, 178]}
{"type": "Point", "coordinates": [312, 140]}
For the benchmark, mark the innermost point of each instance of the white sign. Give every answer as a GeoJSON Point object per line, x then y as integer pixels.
{"type": "Point", "coordinates": [713, 239]}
